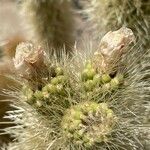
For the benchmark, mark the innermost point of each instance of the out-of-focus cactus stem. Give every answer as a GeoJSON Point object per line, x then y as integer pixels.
{"type": "Point", "coordinates": [103, 15]}
{"type": "Point", "coordinates": [51, 23]}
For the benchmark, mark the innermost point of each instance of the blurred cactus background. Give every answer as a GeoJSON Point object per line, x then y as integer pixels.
{"type": "Point", "coordinates": [74, 74]}
{"type": "Point", "coordinates": [103, 15]}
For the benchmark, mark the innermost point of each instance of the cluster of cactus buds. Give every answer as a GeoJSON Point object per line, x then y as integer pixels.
{"type": "Point", "coordinates": [57, 83]}
{"type": "Point", "coordinates": [88, 123]}
{"type": "Point", "coordinates": [93, 79]}
{"type": "Point", "coordinates": [55, 87]}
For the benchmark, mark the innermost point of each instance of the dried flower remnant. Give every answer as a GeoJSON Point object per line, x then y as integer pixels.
{"type": "Point", "coordinates": [112, 46]}
{"type": "Point", "coordinates": [114, 41]}
{"type": "Point", "coordinates": [27, 58]}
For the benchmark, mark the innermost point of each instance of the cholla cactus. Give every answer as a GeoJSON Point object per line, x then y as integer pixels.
{"type": "Point", "coordinates": [51, 23]}
{"type": "Point", "coordinates": [107, 14]}
{"type": "Point", "coordinates": [84, 106]}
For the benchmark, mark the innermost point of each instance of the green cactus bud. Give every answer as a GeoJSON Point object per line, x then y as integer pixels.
{"type": "Point", "coordinates": [45, 91]}
{"type": "Point", "coordinates": [81, 132]}
{"type": "Point", "coordinates": [59, 71]}
{"type": "Point", "coordinates": [38, 95]}
{"type": "Point", "coordinates": [84, 75]}
{"type": "Point", "coordinates": [88, 74]}
{"type": "Point", "coordinates": [74, 125]}
{"type": "Point", "coordinates": [114, 83]}
{"type": "Point", "coordinates": [30, 99]}
{"type": "Point", "coordinates": [104, 107]}
{"type": "Point", "coordinates": [106, 87]}
{"type": "Point", "coordinates": [52, 89]}
{"type": "Point", "coordinates": [89, 85]}
{"type": "Point", "coordinates": [89, 142]}
{"type": "Point", "coordinates": [106, 78]}
{"type": "Point", "coordinates": [55, 81]}
{"type": "Point", "coordinates": [78, 115]}
{"type": "Point", "coordinates": [59, 79]}
{"type": "Point", "coordinates": [88, 65]}
{"type": "Point", "coordinates": [97, 79]}
{"type": "Point", "coordinates": [45, 88]}
{"type": "Point", "coordinates": [46, 94]}
{"type": "Point", "coordinates": [62, 79]}
{"type": "Point", "coordinates": [60, 89]}
{"type": "Point", "coordinates": [27, 91]}
{"type": "Point", "coordinates": [88, 107]}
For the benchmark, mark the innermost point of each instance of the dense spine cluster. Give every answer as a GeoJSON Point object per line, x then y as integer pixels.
{"type": "Point", "coordinates": [81, 102]}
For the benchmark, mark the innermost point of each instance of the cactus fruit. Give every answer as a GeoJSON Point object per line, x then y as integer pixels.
{"type": "Point", "coordinates": [98, 105]}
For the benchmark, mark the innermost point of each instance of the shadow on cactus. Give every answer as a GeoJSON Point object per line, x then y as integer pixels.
{"type": "Point", "coordinates": [99, 103]}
